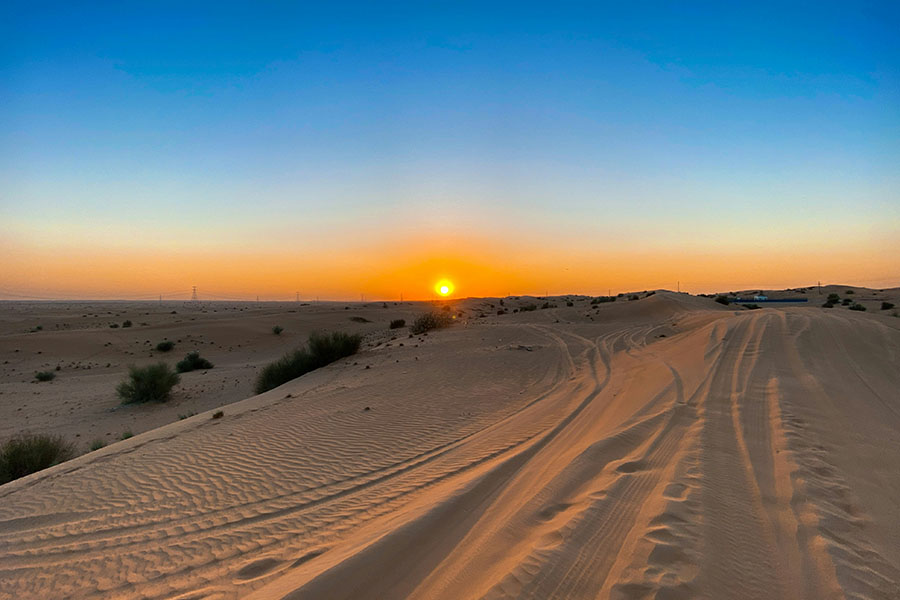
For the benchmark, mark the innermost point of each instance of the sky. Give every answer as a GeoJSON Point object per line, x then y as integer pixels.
{"type": "Point", "coordinates": [344, 149]}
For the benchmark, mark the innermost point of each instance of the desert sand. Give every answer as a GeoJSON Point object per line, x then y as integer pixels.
{"type": "Point", "coordinates": [668, 447]}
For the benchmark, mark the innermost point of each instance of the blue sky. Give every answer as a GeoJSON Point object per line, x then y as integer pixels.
{"type": "Point", "coordinates": [130, 126]}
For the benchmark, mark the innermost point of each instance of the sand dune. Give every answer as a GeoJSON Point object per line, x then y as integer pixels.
{"type": "Point", "coordinates": [664, 448]}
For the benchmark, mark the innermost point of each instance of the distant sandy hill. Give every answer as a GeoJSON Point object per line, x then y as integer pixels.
{"type": "Point", "coordinates": [665, 447]}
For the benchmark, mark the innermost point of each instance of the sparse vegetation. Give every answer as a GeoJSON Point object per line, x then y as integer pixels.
{"type": "Point", "coordinates": [44, 375]}
{"type": "Point", "coordinates": [218, 414]}
{"type": "Point", "coordinates": [113, 325]}
{"type": "Point", "coordinates": [547, 305]}
{"type": "Point", "coordinates": [126, 324]}
{"type": "Point", "coordinates": [192, 362]}
{"type": "Point", "coordinates": [126, 434]}
{"type": "Point", "coordinates": [834, 298]}
{"type": "Point", "coordinates": [752, 306]}
{"type": "Point", "coordinates": [633, 297]}
{"type": "Point", "coordinates": [429, 321]}
{"type": "Point", "coordinates": [165, 346]}
{"type": "Point", "coordinates": [360, 320]}
{"type": "Point", "coordinates": [152, 383]}
{"type": "Point", "coordinates": [570, 303]}
{"type": "Point", "coordinates": [887, 305]}
{"type": "Point", "coordinates": [277, 329]}
{"type": "Point", "coordinates": [183, 416]}
{"type": "Point", "coordinates": [528, 308]}
{"type": "Point", "coordinates": [398, 323]}
{"type": "Point", "coordinates": [29, 453]}
{"type": "Point", "coordinates": [321, 349]}
{"type": "Point", "coordinates": [857, 306]}
{"type": "Point", "coordinates": [828, 304]}
{"type": "Point", "coordinates": [846, 301]}
{"type": "Point", "coordinates": [97, 444]}
{"type": "Point", "coordinates": [848, 292]}
{"type": "Point", "coordinates": [603, 299]}
{"type": "Point", "coordinates": [722, 300]}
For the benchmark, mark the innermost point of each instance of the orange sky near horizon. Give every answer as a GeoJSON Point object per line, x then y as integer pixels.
{"type": "Point", "coordinates": [387, 268]}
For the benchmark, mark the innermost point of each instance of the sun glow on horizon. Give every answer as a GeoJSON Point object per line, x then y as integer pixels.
{"type": "Point", "coordinates": [444, 287]}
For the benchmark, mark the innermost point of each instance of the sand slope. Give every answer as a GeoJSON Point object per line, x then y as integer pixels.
{"type": "Point", "coordinates": [669, 448]}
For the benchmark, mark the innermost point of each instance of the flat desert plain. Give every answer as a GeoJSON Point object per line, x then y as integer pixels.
{"type": "Point", "coordinates": [666, 447]}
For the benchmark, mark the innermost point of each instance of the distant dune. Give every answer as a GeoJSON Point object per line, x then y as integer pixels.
{"type": "Point", "coordinates": [667, 447]}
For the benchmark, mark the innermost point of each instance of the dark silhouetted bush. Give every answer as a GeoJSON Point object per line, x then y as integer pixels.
{"type": "Point", "coordinates": [429, 321]}
{"type": "Point", "coordinates": [97, 444]}
{"type": "Point", "coordinates": [633, 297]}
{"type": "Point", "coordinates": [887, 305]}
{"type": "Point", "coordinates": [722, 300]}
{"type": "Point", "coordinates": [126, 324]}
{"type": "Point", "coordinates": [857, 307]}
{"type": "Point", "coordinates": [165, 346]}
{"type": "Point", "coordinates": [834, 298]}
{"type": "Point", "coordinates": [277, 329]}
{"type": "Point", "coordinates": [29, 453]}
{"type": "Point", "coordinates": [152, 383]}
{"type": "Point", "coordinates": [752, 306]}
{"type": "Point", "coordinates": [398, 323]}
{"type": "Point", "coordinates": [828, 305]}
{"type": "Point", "coordinates": [192, 362]}
{"type": "Point", "coordinates": [126, 434]}
{"type": "Point", "coordinates": [360, 320]}
{"type": "Point", "coordinates": [846, 301]}
{"type": "Point", "coordinates": [322, 349]}
{"type": "Point", "coordinates": [44, 375]}
{"type": "Point", "coordinates": [218, 414]}
{"type": "Point", "coordinates": [849, 292]}
{"type": "Point", "coordinates": [603, 299]}
{"type": "Point", "coordinates": [547, 305]}
{"type": "Point", "coordinates": [570, 303]}
{"type": "Point", "coordinates": [113, 325]}
{"type": "Point", "coordinates": [528, 308]}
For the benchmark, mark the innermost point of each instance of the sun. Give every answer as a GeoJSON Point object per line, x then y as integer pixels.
{"type": "Point", "coordinates": [444, 287]}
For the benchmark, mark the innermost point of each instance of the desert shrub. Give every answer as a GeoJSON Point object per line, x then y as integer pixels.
{"type": "Point", "coordinates": [501, 311]}
{"type": "Point", "coordinates": [752, 306]}
{"type": "Point", "coordinates": [218, 414]}
{"type": "Point", "coordinates": [633, 297]}
{"type": "Point", "coordinates": [528, 308]}
{"type": "Point", "coordinates": [429, 321]}
{"type": "Point", "coordinates": [97, 444]}
{"type": "Point", "coordinates": [834, 298]}
{"type": "Point", "coordinates": [828, 305]}
{"type": "Point", "coordinates": [360, 320]}
{"type": "Point", "coordinates": [547, 305]}
{"type": "Point", "coordinates": [126, 324]}
{"type": "Point", "coordinates": [887, 305]}
{"type": "Point", "coordinates": [192, 362]}
{"type": "Point", "coordinates": [152, 383]}
{"type": "Point", "coordinates": [398, 323]}
{"type": "Point", "coordinates": [44, 375]}
{"type": "Point", "coordinates": [165, 346]}
{"type": "Point", "coordinates": [277, 329]}
{"type": "Point", "coordinates": [857, 306]}
{"type": "Point", "coordinates": [722, 300]}
{"type": "Point", "coordinates": [846, 301]}
{"type": "Point", "coordinates": [29, 453]}
{"type": "Point", "coordinates": [570, 303]}
{"type": "Point", "coordinates": [848, 292]}
{"type": "Point", "coordinates": [126, 434]}
{"type": "Point", "coordinates": [603, 299]}
{"type": "Point", "coordinates": [321, 349]}
{"type": "Point", "coordinates": [113, 325]}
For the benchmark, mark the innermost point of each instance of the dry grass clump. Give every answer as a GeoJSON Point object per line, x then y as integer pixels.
{"type": "Point", "coordinates": [429, 321]}
{"type": "Point", "coordinates": [152, 383]}
{"type": "Point", "coordinates": [28, 453]}
{"type": "Point", "coordinates": [322, 349]}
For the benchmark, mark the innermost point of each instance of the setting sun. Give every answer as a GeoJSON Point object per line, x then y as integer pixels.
{"type": "Point", "coordinates": [444, 287]}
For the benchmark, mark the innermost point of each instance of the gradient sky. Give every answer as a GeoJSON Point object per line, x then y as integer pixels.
{"type": "Point", "coordinates": [347, 149]}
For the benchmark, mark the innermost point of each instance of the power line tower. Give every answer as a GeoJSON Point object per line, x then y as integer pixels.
{"type": "Point", "coordinates": [297, 296]}
{"type": "Point", "coordinates": [194, 295]}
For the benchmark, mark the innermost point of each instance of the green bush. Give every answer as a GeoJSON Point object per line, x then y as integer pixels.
{"type": "Point", "coordinates": [97, 444]}
{"type": "Point", "coordinates": [44, 375]}
{"type": "Point", "coordinates": [398, 323]}
{"type": "Point", "coordinates": [165, 346]}
{"type": "Point", "coordinates": [321, 349]}
{"type": "Point", "coordinates": [29, 453]}
{"type": "Point", "coordinates": [192, 362]}
{"type": "Point", "coordinates": [277, 329]}
{"type": "Point", "coordinates": [113, 325]}
{"type": "Point", "coordinates": [429, 321]}
{"type": "Point", "coordinates": [152, 383]}
{"type": "Point", "coordinates": [834, 298]}
{"type": "Point", "coordinates": [126, 434]}
{"type": "Point", "coordinates": [828, 305]}
{"type": "Point", "coordinates": [126, 324]}
{"type": "Point", "coordinates": [887, 305]}
{"type": "Point", "coordinates": [846, 301]}
{"type": "Point", "coordinates": [722, 300]}
{"type": "Point", "coordinates": [857, 307]}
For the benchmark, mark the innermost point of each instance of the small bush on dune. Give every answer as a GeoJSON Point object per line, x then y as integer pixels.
{"type": "Point", "coordinates": [165, 346]}
{"type": "Point", "coordinates": [97, 444]}
{"type": "Point", "coordinates": [322, 349]}
{"type": "Point", "coordinates": [547, 305]}
{"type": "Point", "coordinates": [887, 305]}
{"type": "Point", "coordinates": [722, 300]}
{"type": "Point", "coordinates": [846, 301]}
{"type": "Point", "coordinates": [834, 298]}
{"type": "Point", "coordinates": [398, 323]}
{"type": "Point", "coordinates": [126, 324]}
{"type": "Point", "coordinates": [28, 453]}
{"type": "Point", "coordinates": [44, 375]}
{"type": "Point", "coordinates": [570, 303]}
{"type": "Point", "coordinates": [528, 308]}
{"type": "Point", "coordinates": [429, 321]}
{"type": "Point", "coordinates": [192, 362]}
{"type": "Point", "coordinates": [360, 320]}
{"type": "Point", "coordinates": [828, 305]}
{"type": "Point", "coordinates": [277, 329]}
{"type": "Point", "coordinates": [857, 307]}
{"type": "Point", "coordinates": [751, 306]}
{"type": "Point", "coordinates": [849, 291]}
{"type": "Point", "coordinates": [152, 383]}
